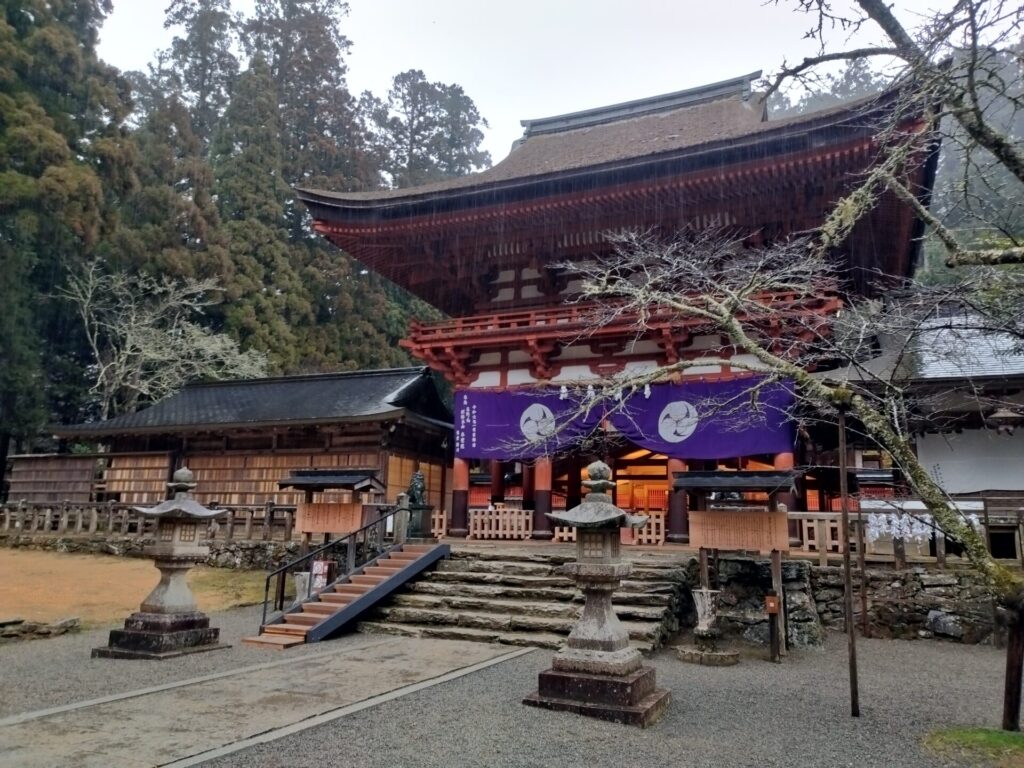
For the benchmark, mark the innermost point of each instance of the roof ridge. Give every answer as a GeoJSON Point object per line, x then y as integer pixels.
{"type": "Point", "coordinates": [723, 89]}
{"type": "Point", "coordinates": [307, 377]}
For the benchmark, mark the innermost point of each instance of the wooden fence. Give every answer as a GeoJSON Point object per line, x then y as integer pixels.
{"type": "Point", "coordinates": [250, 523]}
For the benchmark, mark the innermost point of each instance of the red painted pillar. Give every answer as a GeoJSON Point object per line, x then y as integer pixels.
{"type": "Point", "coordinates": [460, 499]}
{"type": "Point", "coordinates": [528, 486]}
{"type": "Point", "coordinates": [678, 517]}
{"type": "Point", "coordinates": [542, 499]}
{"type": "Point", "coordinates": [497, 481]}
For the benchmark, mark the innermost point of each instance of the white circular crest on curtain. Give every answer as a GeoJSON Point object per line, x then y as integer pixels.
{"type": "Point", "coordinates": [537, 422]}
{"type": "Point", "coordinates": [677, 421]}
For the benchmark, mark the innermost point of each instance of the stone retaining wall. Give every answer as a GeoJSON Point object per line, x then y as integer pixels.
{"type": "Point", "coordinates": [911, 604]}
{"type": "Point", "coordinates": [244, 555]}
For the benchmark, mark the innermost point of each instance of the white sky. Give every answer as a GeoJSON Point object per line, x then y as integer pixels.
{"type": "Point", "coordinates": [535, 58]}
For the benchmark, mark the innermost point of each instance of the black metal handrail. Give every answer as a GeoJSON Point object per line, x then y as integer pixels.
{"type": "Point", "coordinates": [352, 551]}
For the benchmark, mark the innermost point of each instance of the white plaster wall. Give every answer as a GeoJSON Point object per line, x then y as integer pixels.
{"type": "Point", "coordinates": [520, 376]}
{"type": "Point", "coordinates": [487, 379]}
{"type": "Point", "coordinates": [575, 373]}
{"type": "Point", "coordinates": [974, 460]}
{"type": "Point", "coordinates": [488, 358]}
{"type": "Point", "coordinates": [530, 292]}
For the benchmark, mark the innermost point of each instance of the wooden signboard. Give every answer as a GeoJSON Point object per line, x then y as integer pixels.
{"type": "Point", "coordinates": [748, 529]}
{"type": "Point", "coordinates": [328, 517]}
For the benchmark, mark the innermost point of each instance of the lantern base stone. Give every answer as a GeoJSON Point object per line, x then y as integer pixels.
{"type": "Point", "coordinates": [631, 699]}
{"type": "Point", "coordinates": [622, 662]}
{"type": "Point", "coordinates": [161, 636]}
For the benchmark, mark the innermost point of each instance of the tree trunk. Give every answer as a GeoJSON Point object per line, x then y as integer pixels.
{"type": "Point", "coordinates": [1014, 667]}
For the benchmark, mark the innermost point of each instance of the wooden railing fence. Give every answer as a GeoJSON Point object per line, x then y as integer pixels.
{"type": "Point", "coordinates": [241, 523]}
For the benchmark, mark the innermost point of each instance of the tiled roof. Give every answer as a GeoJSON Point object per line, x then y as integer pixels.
{"type": "Point", "coordinates": [661, 125]}
{"type": "Point", "coordinates": [322, 398]}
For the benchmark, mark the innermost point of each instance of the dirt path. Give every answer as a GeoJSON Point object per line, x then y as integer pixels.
{"type": "Point", "coordinates": [100, 590]}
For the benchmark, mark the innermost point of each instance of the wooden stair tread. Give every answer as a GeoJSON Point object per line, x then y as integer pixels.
{"type": "Point", "coordinates": [285, 629]}
{"type": "Point", "coordinates": [275, 642]}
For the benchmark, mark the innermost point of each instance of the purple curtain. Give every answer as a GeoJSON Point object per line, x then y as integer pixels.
{"type": "Point", "coordinates": [694, 420]}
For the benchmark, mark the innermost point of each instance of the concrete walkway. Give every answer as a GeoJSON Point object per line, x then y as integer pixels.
{"type": "Point", "coordinates": [184, 722]}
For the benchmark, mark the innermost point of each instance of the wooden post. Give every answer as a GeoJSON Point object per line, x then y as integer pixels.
{"type": "Point", "coordinates": [821, 539]}
{"type": "Point", "coordinates": [899, 554]}
{"type": "Point", "coordinates": [862, 565]}
{"type": "Point", "coordinates": [851, 633]}
{"type": "Point", "coordinates": [268, 520]}
{"type": "Point", "coordinates": [705, 578]}
{"type": "Point", "coordinates": [779, 589]}
{"type": "Point", "coordinates": [774, 646]}
{"type": "Point", "coordinates": [289, 521]}
{"type": "Point", "coordinates": [460, 499]}
{"type": "Point", "coordinates": [678, 522]}
{"type": "Point", "coordinates": [497, 481]}
{"type": "Point", "coordinates": [542, 479]}
{"type": "Point", "coordinates": [1014, 669]}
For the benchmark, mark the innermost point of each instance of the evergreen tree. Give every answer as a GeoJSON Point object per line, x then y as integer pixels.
{"type": "Point", "coordinates": [267, 303]}
{"type": "Point", "coordinates": [425, 131]}
{"type": "Point", "coordinates": [64, 164]}
{"type": "Point", "coordinates": [169, 224]}
{"type": "Point", "coordinates": [203, 58]}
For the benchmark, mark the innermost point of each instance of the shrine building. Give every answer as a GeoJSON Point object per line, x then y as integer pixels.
{"type": "Point", "coordinates": [483, 249]}
{"type": "Point", "coordinates": [242, 438]}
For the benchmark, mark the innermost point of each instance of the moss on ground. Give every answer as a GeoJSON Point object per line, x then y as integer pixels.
{"type": "Point", "coordinates": [998, 748]}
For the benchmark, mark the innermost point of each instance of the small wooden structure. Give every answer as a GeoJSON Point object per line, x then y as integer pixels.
{"type": "Point", "coordinates": [336, 517]}
{"type": "Point", "coordinates": [725, 518]}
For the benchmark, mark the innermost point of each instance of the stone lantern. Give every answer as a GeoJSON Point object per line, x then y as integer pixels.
{"type": "Point", "coordinates": [598, 673]}
{"type": "Point", "coordinates": [168, 623]}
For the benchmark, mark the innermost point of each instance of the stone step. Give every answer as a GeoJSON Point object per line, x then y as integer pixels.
{"type": "Point", "coordinates": [521, 639]}
{"type": "Point", "coordinates": [641, 631]}
{"type": "Point", "coordinates": [560, 609]}
{"type": "Point", "coordinates": [499, 592]}
{"type": "Point", "coordinates": [556, 582]}
{"type": "Point", "coordinates": [511, 567]}
{"type": "Point", "coordinates": [448, 632]}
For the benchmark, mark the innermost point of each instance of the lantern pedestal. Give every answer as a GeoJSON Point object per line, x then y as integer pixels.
{"type": "Point", "coordinates": [161, 636]}
{"type": "Point", "coordinates": [598, 674]}
{"type": "Point", "coordinates": [168, 623]}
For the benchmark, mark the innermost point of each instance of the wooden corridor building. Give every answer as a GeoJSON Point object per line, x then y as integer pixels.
{"type": "Point", "coordinates": [241, 438]}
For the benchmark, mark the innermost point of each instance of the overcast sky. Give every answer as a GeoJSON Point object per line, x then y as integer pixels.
{"type": "Point", "coordinates": [535, 58]}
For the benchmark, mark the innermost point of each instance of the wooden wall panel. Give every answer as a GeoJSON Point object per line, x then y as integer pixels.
{"type": "Point", "coordinates": [137, 478]}
{"type": "Point", "coordinates": [52, 479]}
{"type": "Point", "coordinates": [400, 469]}
{"type": "Point", "coordinates": [252, 478]}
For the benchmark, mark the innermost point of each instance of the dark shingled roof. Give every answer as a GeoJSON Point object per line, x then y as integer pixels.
{"type": "Point", "coordinates": [607, 136]}
{"type": "Point", "coordinates": [287, 401]}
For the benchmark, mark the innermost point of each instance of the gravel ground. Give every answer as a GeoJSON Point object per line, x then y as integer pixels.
{"type": "Point", "coordinates": [754, 714]}
{"type": "Point", "coordinates": [39, 674]}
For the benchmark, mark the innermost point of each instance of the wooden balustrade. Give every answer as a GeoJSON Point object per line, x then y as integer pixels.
{"type": "Point", "coordinates": [263, 523]}
{"type": "Point", "coordinates": [500, 523]}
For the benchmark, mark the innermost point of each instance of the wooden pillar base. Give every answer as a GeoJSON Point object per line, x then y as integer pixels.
{"type": "Point", "coordinates": [541, 522]}
{"type": "Point", "coordinates": [460, 515]}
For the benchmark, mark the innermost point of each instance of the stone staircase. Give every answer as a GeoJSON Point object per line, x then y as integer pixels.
{"type": "Point", "coordinates": [516, 598]}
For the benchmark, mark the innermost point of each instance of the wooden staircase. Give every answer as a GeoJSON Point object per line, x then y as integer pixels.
{"type": "Point", "coordinates": [346, 600]}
